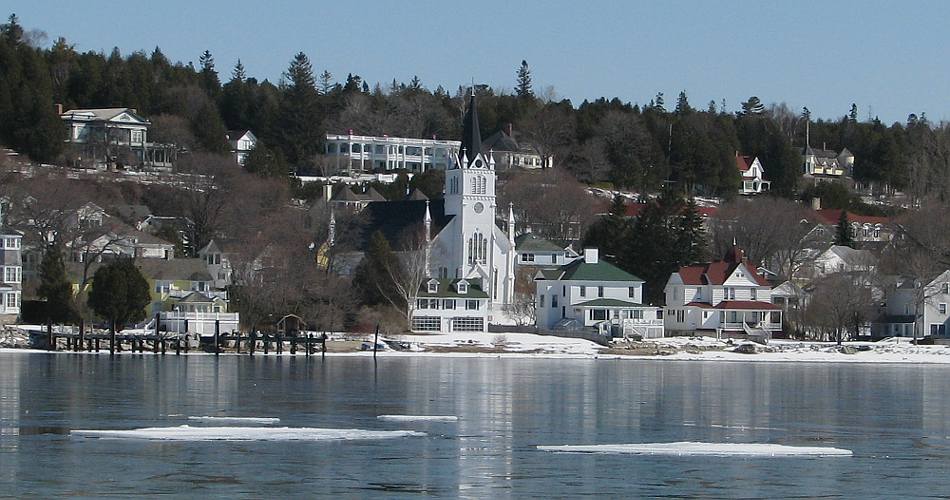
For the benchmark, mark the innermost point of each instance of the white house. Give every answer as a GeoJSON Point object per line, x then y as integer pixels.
{"type": "Point", "coordinates": [509, 153]}
{"type": "Point", "coordinates": [242, 143]}
{"type": "Point", "coordinates": [451, 305]}
{"type": "Point", "coordinates": [753, 175]}
{"type": "Point", "coordinates": [726, 296]}
{"type": "Point", "coordinates": [537, 252]}
{"type": "Point", "coordinates": [591, 293]}
{"type": "Point", "coordinates": [822, 164]}
{"type": "Point", "coordinates": [359, 153]}
{"type": "Point", "coordinates": [11, 266]}
{"type": "Point", "coordinates": [839, 259]}
{"type": "Point", "coordinates": [911, 311]}
{"type": "Point", "coordinates": [102, 137]}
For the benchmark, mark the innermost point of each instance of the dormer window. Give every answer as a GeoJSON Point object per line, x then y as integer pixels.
{"type": "Point", "coordinates": [433, 286]}
{"type": "Point", "coordinates": [462, 287]}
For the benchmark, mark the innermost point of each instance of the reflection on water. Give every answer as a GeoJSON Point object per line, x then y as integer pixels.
{"type": "Point", "coordinates": [894, 418]}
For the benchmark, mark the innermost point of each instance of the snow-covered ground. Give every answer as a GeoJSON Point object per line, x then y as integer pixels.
{"type": "Point", "coordinates": [505, 342]}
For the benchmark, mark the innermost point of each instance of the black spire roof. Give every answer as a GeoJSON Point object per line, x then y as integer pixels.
{"type": "Point", "coordinates": [471, 137]}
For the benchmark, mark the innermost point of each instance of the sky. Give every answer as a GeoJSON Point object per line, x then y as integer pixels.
{"type": "Point", "coordinates": [888, 57]}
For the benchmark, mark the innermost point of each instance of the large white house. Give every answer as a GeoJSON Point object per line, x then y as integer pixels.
{"type": "Point", "coordinates": [753, 175]}
{"type": "Point", "coordinates": [108, 137]}
{"type": "Point", "coordinates": [916, 310]}
{"type": "Point", "coordinates": [592, 293]}
{"type": "Point", "coordinates": [726, 296]}
{"type": "Point", "coordinates": [11, 266]}
{"type": "Point", "coordinates": [451, 305]}
{"type": "Point", "coordinates": [360, 153]}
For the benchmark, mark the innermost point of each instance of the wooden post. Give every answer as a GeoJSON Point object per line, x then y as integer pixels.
{"type": "Point", "coordinates": [157, 336]}
{"type": "Point", "coordinates": [252, 342]}
{"type": "Point", "coordinates": [264, 336]}
{"type": "Point", "coordinates": [217, 330]}
{"type": "Point", "coordinates": [237, 343]}
{"type": "Point", "coordinates": [309, 343]}
{"type": "Point", "coordinates": [50, 341]}
{"type": "Point", "coordinates": [376, 340]}
{"type": "Point", "coordinates": [323, 342]}
{"type": "Point", "coordinates": [293, 345]}
{"type": "Point", "coordinates": [97, 344]}
{"type": "Point", "coordinates": [112, 338]}
{"type": "Point", "coordinates": [82, 333]}
{"type": "Point", "coordinates": [280, 343]}
{"type": "Point", "coordinates": [178, 344]}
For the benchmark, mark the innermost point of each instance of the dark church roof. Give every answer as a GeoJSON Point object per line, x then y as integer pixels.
{"type": "Point", "coordinates": [500, 141]}
{"type": "Point", "coordinates": [471, 136]}
{"type": "Point", "coordinates": [396, 218]}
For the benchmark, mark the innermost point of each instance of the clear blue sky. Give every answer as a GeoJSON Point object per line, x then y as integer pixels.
{"type": "Point", "coordinates": [886, 56]}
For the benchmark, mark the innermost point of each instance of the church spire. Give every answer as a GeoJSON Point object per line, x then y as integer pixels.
{"type": "Point", "coordinates": [471, 136]}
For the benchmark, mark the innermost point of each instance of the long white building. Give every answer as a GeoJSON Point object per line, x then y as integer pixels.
{"type": "Point", "coordinates": [361, 153]}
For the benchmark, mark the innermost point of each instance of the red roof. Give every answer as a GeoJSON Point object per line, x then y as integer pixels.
{"type": "Point", "coordinates": [832, 215]}
{"type": "Point", "coordinates": [716, 272]}
{"type": "Point", "coordinates": [744, 162]}
{"type": "Point", "coordinates": [701, 305]}
{"type": "Point", "coordinates": [747, 305]}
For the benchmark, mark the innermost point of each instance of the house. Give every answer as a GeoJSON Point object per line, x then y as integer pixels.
{"type": "Point", "coordinates": [838, 259]}
{"type": "Point", "coordinates": [752, 174]}
{"type": "Point", "coordinates": [727, 296]}
{"type": "Point", "coordinates": [11, 266]}
{"type": "Point", "coordinates": [358, 153]}
{"type": "Point", "coordinates": [219, 266]}
{"type": "Point", "coordinates": [591, 293]}
{"type": "Point", "coordinates": [536, 252]}
{"type": "Point", "coordinates": [242, 143]}
{"type": "Point", "coordinates": [915, 310]}
{"type": "Point", "coordinates": [113, 137]}
{"type": "Point", "coordinates": [509, 153]}
{"type": "Point", "coordinates": [354, 202]}
{"type": "Point", "coordinates": [451, 305]}
{"type": "Point", "coordinates": [824, 164]}
{"type": "Point", "coordinates": [863, 227]}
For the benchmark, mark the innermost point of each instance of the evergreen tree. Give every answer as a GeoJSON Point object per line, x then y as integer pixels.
{"type": "Point", "coordinates": [523, 86]}
{"type": "Point", "coordinates": [370, 276]}
{"type": "Point", "coordinates": [853, 114]}
{"type": "Point", "coordinates": [208, 75]}
{"type": "Point", "coordinates": [264, 162]}
{"type": "Point", "coordinates": [55, 287]}
{"type": "Point", "coordinates": [682, 104]}
{"type": "Point", "coordinates": [711, 108]}
{"type": "Point", "coordinates": [611, 234]}
{"type": "Point", "coordinates": [692, 234]}
{"type": "Point", "coordinates": [326, 82]}
{"type": "Point", "coordinates": [298, 116]}
{"type": "Point", "coordinates": [238, 74]}
{"type": "Point", "coordinates": [658, 104]}
{"type": "Point", "coordinates": [843, 234]}
{"type": "Point", "coordinates": [119, 293]}
{"type": "Point", "coordinates": [752, 107]}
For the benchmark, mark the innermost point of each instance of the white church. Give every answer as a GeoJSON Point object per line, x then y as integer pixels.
{"type": "Point", "coordinates": [471, 261]}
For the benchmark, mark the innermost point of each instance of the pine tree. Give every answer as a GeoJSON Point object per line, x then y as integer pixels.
{"type": "Point", "coordinates": [326, 82]}
{"type": "Point", "coordinates": [119, 293]}
{"type": "Point", "coordinates": [658, 104]}
{"type": "Point", "coordinates": [843, 234]}
{"type": "Point", "coordinates": [853, 114]}
{"type": "Point", "coordinates": [238, 74]}
{"type": "Point", "coordinates": [682, 104]}
{"type": "Point", "coordinates": [692, 235]}
{"type": "Point", "coordinates": [523, 86]}
{"type": "Point", "coordinates": [711, 108]}
{"type": "Point", "coordinates": [611, 234]}
{"type": "Point", "coordinates": [209, 77]}
{"type": "Point", "coordinates": [298, 115]}
{"type": "Point", "coordinates": [369, 277]}
{"type": "Point", "coordinates": [55, 287]}
{"type": "Point", "coordinates": [753, 107]}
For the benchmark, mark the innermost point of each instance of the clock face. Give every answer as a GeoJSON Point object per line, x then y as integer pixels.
{"type": "Point", "coordinates": [478, 163]}
{"type": "Point", "coordinates": [479, 207]}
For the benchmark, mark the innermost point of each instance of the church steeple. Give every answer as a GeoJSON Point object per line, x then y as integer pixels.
{"type": "Point", "coordinates": [471, 136]}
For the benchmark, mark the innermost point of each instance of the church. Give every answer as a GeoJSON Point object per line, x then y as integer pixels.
{"type": "Point", "coordinates": [470, 261]}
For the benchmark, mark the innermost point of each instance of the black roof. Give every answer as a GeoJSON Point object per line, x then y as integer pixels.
{"type": "Point", "coordinates": [471, 136]}
{"type": "Point", "coordinates": [395, 218]}
{"type": "Point", "coordinates": [500, 141]}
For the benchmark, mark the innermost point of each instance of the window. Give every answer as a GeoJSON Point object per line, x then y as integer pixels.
{"type": "Point", "coordinates": [946, 288]}
{"type": "Point", "coordinates": [554, 301]}
{"type": "Point", "coordinates": [583, 291]}
{"type": "Point", "coordinates": [680, 316]}
{"type": "Point", "coordinates": [598, 314]}
{"type": "Point", "coordinates": [553, 258]}
{"type": "Point", "coordinates": [632, 292]}
{"type": "Point", "coordinates": [527, 257]}
{"type": "Point", "coordinates": [541, 300]}
{"type": "Point", "coordinates": [448, 304]}
{"type": "Point", "coordinates": [468, 324]}
{"type": "Point", "coordinates": [462, 287]}
{"type": "Point", "coordinates": [423, 303]}
{"type": "Point", "coordinates": [472, 305]}
{"type": "Point", "coordinates": [11, 274]}
{"type": "Point", "coordinates": [638, 314]}
{"type": "Point", "coordinates": [13, 300]}
{"type": "Point", "coordinates": [942, 308]}
{"type": "Point", "coordinates": [433, 286]}
{"type": "Point", "coordinates": [162, 286]}
{"type": "Point", "coordinates": [755, 293]}
{"type": "Point", "coordinates": [426, 323]}
{"type": "Point", "coordinates": [600, 291]}
{"type": "Point", "coordinates": [730, 294]}
{"type": "Point", "coordinates": [11, 243]}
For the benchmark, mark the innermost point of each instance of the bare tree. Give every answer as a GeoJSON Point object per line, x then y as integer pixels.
{"type": "Point", "coordinates": [406, 272]}
{"type": "Point", "coordinates": [552, 203]}
{"type": "Point", "coordinates": [549, 130]}
{"type": "Point", "coordinates": [840, 303]}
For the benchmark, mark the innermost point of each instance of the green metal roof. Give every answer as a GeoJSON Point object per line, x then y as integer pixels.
{"type": "Point", "coordinates": [601, 271]}
{"type": "Point", "coordinates": [530, 243]}
{"type": "Point", "coordinates": [447, 289]}
{"type": "Point", "coordinates": [608, 303]}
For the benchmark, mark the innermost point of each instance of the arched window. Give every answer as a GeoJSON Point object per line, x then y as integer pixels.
{"type": "Point", "coordinates": [474, 186]}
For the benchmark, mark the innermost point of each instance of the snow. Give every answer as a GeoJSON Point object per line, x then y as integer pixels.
{"type": "Point", "coordinates": [188, 433]}
{"type": "Point", "coordinates": [418, 418]}
{"type": "Point", "coordinates": [249, 420]}
{"type": "Point", "coordinates": [703, 449]}
{"type": "Point", "coordinates": [512, 342]}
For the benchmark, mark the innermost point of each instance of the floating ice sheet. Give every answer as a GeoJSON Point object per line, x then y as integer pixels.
{"type": "Point", "coordinates": [238, 420]}
{"type": "Point", "coordinates": [418, 418]}
{"type": "Point", "coordinates": [702, 449]}
{"type": "Point", "coordinates": [188, 433]}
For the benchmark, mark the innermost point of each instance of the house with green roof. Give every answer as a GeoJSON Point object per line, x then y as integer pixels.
{"type": "Point", "coordinates": [451, 305]}
{"type": "Point", "coordinates": [593, 294]}
{"type": "Point", "coordinates": [537, 252]}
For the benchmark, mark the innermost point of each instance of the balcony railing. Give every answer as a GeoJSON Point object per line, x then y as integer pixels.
{"type": "Point", "coordinates": [738, 326]}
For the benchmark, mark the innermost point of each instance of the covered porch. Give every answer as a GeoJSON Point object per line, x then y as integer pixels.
{"type": "Point", "coordinates": [740, 316]}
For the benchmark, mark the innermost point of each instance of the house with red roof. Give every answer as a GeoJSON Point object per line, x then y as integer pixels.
{"type": "Point", "coordinates": [753, 175]}
{"type": "Point", "coordinates": [863, 227]}
{"type": "Point", "coordinates": [727, 296]}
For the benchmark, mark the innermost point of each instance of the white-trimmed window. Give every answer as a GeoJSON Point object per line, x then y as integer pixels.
{"type": "Point", "coordinates": [942, 308]}
{"type": "Point", "coordinates": [12, 274]}
{"type": "Point", "coordinates": [462, 287]}
{"type": "Point", "coordinates": [527, 257]}
{"type": "Point", "coordinates": [433, 286]}
{"type": "Point", "coordinates": [472, 305]}
{"type": "Point", "coordinates": [448, 304]}
{"type": "Point", "coordinates": [553, 300]}
{"type": "Point", "coordinates": [162, 286]}
{"type": "Point", "coordinates": [13, 300]}
{"type": "Point", "coordinates": [632, 292]}
{"type": "Point", "coordinates": [600, 291]}
{"type": "Point", "coordinates": [11, 243]}
{"type": "Point", "coordinates": [426, 323]}
{"type": "Point", "coordinates": [755, 293]}
{"type": "Point", "coordinates": [583, 291]}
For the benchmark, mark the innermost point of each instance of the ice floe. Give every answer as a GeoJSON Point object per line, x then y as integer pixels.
{"type": "Point", "coordinates": [418, 418]}
{"type": "Point", "coordinates": [238, 420]}
{"type": "Point", "coordinates": [702, 449]}
{"type": "Point", "coordinates": [188, 433]}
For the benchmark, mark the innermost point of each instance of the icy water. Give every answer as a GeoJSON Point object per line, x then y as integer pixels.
{"type": "Point", "coordinates": [893, 418]}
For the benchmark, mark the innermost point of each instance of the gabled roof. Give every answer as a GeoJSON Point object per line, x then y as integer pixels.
{"type": "Point", "coordinates": [236, 135]}
{"type": "Point", "coordinates": [174, 269]}
{"type": "Point", "coordinates": [447, 288]}
{"type": "Point", "coordinates": [851, 256]}
{"type": "Point", "coordinates": [415, 195]}
{"type": "Point", "coordinates": [500, 141]}
{"type": "Point", "coordinates": [744, 163]}
{"type": "Point", "coordinates": [820, 153]}
{"type": "Point", "coordinates": [528, 242]}
{"type": "Point", "coordinates": [579, 270]}
{"type": "Point", "coordinates": [831, 216]}
{"type": "Point", "coordinates": [717, 272]}
{"type": "Point", "coordinates": [394, 218]}
{"type": "Point", "coordinates": [101, 114]}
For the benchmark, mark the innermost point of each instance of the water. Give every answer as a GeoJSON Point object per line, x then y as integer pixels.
{"type": "Point", "coordinates": [894, 419]}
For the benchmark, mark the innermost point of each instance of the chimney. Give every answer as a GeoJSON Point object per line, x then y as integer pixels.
{"type": "Point", "coordinates": [508, 129]}
{"type": "Point", "coordinates": [590, 256]}
{"type": "Point", "coordinates": [816, 203]}
{"type": "Point", "coordinates": [59, 109]}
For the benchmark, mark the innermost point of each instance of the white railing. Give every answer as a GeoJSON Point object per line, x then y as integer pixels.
{"type": "Point", "coordinates": [740, 326]}
{"type": "Point", "coordinates": [201, 323]}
